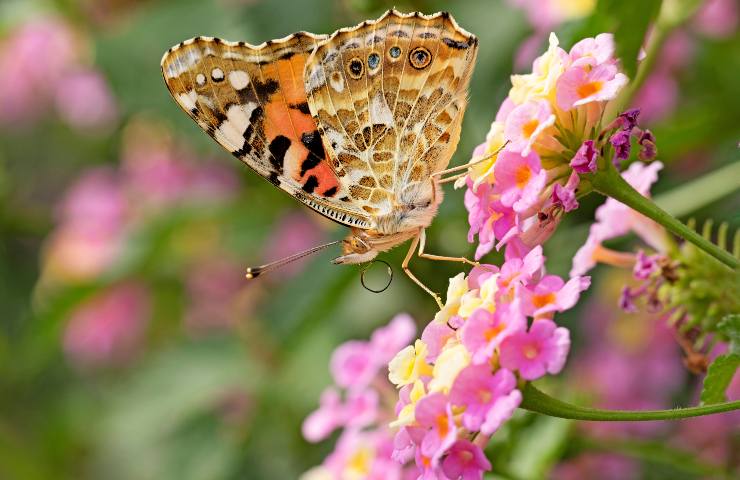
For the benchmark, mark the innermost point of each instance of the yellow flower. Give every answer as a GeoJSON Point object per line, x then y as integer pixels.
{"type": "Point", "coordinates": [483, 298]}
{"type": "Point", "coordinates": [454, 357]}
{"type": "Point", "coordinates": [409, 364]}
{"type": "Point", "coordinates": [406, 415]}
{"type": "Point", "coordinates": [483, 171]}
{"type": "Point", "coordinates": [458, 287]}
{"type": "Point", "coordinates": [540, 84]}
{"type": "Point", "coordinates": [359, 463]}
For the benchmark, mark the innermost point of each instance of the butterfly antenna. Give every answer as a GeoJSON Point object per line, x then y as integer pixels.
{"type": "Point", "coordinates": [254, 272]}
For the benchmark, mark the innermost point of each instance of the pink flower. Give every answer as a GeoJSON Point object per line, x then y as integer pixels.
{"type": "Point", "coordinates": [387, 341]}
{"type": "Point", "coordinates": [584, 160]}
{"type": "Point", "coordinates": [579, 86]}
{"type": "Point", "coordinates": [481, 204]}
{"type": "Point", "coordinates": [525, 123]}
{"type": "Point", "coordinates": [518, 271]}
{"type": "Point", "coordinates": [33, 59]}
{"type": "Point", "coordinates": [108, 328]}
{"type": "Point", "coordinates": [541, 350]}
{"type": "Point", "coordinates": [434, 413]}
{"type": "Point", "coordinates": [565, 196]}
{"type": "Point", "coordinates": [645, 265]}
{"type": "Point", "coordinates": [614, 219]}
{"type": "Point", "coordinates": [658, 96]}
{"type": "Point", "coordinates": [465, 461]}
{"type": "Point", "coordinates": [353, 365]}
{"type": "Point", "coordinates": [328, 417]}
{"type": "Point", "coordinates": [717, 18]}
{"type": "Point", "coordinates": [483, 331]}
{"type": "Point", "coordinates": [519, 179]}
{"type": "Point", "coordinates": [489, 398]}
{"type": "Point", "coordinates": [84, 101]}
{"type": "Point", "coordinates": [593, 51]}
{"type": "Point", "coordinates": [552, 294]}
{"type": "Point", "coordinates": [435, 335]}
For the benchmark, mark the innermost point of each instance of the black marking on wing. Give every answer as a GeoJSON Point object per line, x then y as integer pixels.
{"type": "Point", "coordinates": [278, 146]}
{"type": "Point", "coordinates": [315, 147]}
{"type": "Point", "coordinates": [310, 184]}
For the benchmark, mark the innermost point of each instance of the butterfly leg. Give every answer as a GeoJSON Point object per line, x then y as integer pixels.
{"type": "Point", "coordinates": [407, 271]}
{"type": "Point", "coordinates": [422, 243]}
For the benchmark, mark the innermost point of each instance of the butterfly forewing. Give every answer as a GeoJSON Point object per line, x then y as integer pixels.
{"type": "Point", "coordinates": [388, 96]}
{"type": "Point", "coordinates": [252, 101]}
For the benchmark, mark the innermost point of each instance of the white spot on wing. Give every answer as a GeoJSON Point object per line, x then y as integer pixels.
{"type": "Point", "coordinates": [239, 79]}
{"type": "Point", "coordinates": [379, 111]}
{"type": "Point", "coordinates": [217, 74]}
{"type": "Point", "coordinates": [200, 79]}
{"type": "Point", "coordinates": [188, 99]}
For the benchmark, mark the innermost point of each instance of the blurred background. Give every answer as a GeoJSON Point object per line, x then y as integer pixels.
{"type": "Point", "coordinates": [132, 348]}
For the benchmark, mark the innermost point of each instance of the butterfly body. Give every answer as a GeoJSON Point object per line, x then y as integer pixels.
{"type": "Point", "coordinates": [355, 124]}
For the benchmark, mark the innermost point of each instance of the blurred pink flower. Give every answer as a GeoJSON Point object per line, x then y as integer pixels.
{"type": "Point", "coordinates": [292, 233]}
{"type": "Point", "coordinates": [604, 466]}
{"type": "Point", "coordinates": [387, 341]}
{"type": "Point", "coordinates": [108, 328]}
{"type": "Point", "coordinates": [92, 222]}
{"type": "Point", "coordinates": [353, 365]}
{"type": "Point", "coordinates": [33, 58]}
{"type": "Point", "coordinates": [84, 101]}
{"type": "Point", "coordinates": [717, 18]}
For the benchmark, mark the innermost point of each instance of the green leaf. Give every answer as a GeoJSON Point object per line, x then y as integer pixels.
{"type": "Point", "coordinates": [730, 328]}
{"type": "Point", "coordinates": [718, 378]}
{"type": "Point", "coordinates": [629, 20]}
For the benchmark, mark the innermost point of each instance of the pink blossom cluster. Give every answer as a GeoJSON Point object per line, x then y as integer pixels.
{"type": "Point", "coordinates": [361, 405]}
{"type": "Point", "coordinates": [547, 133]}
{"type": "Point", "coordinates": [105, 204]}
{"type": "Point", "coordinates": [44, 65]}
{"type": "Point", "coordinates": [460, 381]}
{"type": "Point", "coordinates": [96, 220]}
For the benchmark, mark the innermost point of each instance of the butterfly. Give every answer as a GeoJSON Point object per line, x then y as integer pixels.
{"type": "Point", "coordinates": [359, 125]}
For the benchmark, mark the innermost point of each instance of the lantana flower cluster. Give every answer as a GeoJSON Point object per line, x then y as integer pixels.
{"type": "Point", "coordinates": [460, 381]}
{"type": "Point", "coordinates": [361, 404]}
{"type": "Point", "coordinates": [678, 281]}
{"type": "Point", "coordinates": [546, 135]}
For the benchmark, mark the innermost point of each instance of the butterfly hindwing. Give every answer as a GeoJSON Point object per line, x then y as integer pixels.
{"type": "Point", "coordinates": [389, 96]}
{"type": "Point", "coordinates": [252, 101]}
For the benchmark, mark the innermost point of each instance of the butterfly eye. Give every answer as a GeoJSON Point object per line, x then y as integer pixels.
{"type": "Point", "coordinates": [420, 57]}
{"type": "Point", "coordinates": [355, 68]}
{"type": "Point", "coordinates": [394, 52]}
{"type": "Point", "coordinates": [373, 60]}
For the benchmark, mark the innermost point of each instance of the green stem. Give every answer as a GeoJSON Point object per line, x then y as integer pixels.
{"type": "Point", "coordinates": [610, 183]}
{"type": "Point", "coordinates": [536, 400]}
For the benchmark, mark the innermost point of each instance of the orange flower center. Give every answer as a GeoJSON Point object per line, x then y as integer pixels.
{"type": "Point", "coordinates": [530, 352]}
{"type": "Point", "coordinates": [493, 331]}
{"type": "Point", "coordinates": [529, 127]}
{"type": "Point", "coordinates": [465, 456]}
{"type": "Point", "coordinates": [588, 89]}
{"type": "Point", "coordinates": [540, 301]}
{"type": "Point", "coordinates": [442, 425]}
{"type": "Point", "coordinates": [523, 174]}
{"type": "Point", "coordinates": [484, 396]}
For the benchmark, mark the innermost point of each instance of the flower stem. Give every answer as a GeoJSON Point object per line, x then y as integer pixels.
{"type": "Point", "coordinates": [537, 401]}
{"type": "Point", "coordinates": [610, 183]}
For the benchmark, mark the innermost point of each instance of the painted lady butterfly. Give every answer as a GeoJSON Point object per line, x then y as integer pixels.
{"type": "Point", "coordinates": [359, 125]}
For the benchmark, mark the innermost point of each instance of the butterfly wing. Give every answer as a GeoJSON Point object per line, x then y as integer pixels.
{"type": "Point", "coordinates": [389, 97]}
{"type": "Point", "coordinates": [252, 101]}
